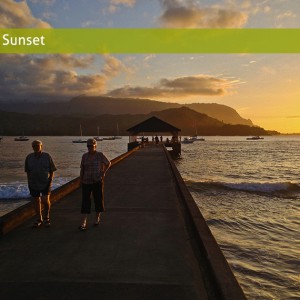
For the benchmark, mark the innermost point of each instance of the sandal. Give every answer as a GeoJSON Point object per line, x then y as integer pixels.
{"type": "Point", "coordinates": [82, 227]}
{"type": "Point", "coordinates": [47, 222]}
{"type": "Point", "coordinates": [37, 224]}
{"type": "Point", "coordinates": [97, 222]}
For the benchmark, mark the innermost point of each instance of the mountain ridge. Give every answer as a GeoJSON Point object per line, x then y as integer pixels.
{"type": "Point", "coordinates": [189, 121]}
{"type": "Point", "coordinates": [97, 105]}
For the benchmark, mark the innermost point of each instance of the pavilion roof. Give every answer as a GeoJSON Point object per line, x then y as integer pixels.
{"type": "Point", "coordinates": [153, 124]}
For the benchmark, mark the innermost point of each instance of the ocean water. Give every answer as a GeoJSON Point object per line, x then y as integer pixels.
{"type": "Point", "coordinates": [249, 194]}
{"type": "Point", "coordinates": [248, 191]}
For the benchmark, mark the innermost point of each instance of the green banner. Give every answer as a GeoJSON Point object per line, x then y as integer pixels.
{"type": "Point", "coordinates": [157, 40]}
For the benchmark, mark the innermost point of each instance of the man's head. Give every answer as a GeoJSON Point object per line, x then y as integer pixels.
{"type": "Point", "coordinates": [37, 146]}
{"type": "Point", "coordinates": [91, 144]}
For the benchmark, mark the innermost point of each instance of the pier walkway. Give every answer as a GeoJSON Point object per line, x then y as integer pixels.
{"type": "Point", "coordinates": [143, 248]}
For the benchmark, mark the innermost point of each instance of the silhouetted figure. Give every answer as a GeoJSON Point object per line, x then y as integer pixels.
{"type": "Point", "coordinates": [93, 166]}
{"type": "Point", "coordinates": [40, 168]}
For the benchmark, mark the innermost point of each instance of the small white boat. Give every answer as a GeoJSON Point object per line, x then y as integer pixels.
{"type": "Point", "coordinates": [79, 141]}
{"type": "Point", "coordinates": [187, 141]}
{"type": "Point", "coordinates": [196, 138]}
{"type": "Point", "coordinates": [257, 137]}
{"type": "Point", "coordinates": [22, 138]}
{"type": "Point", "coordinates": [98, 138]}
{"type": "Point", "coordinates": [109, 138]}
{"type": "Point", "coordinates": [118, 137]}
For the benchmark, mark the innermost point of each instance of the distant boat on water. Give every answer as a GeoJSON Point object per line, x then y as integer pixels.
{"type": "Point", "coordinates": [257, 137]}
{"type": "Point", "coordinates": [98, 138]}
{"type": "Point", "coordinates": [117, 137]}
{"type": "Point", "coordinates": [79, 141]}
{"type": "Point", "coordinates": [109, 138]}
{"type": "Point", "coordinates": [196, 138]}
{"type": "Point", "coordinates": [22, 138]}
{"type": "Point", "coordinates": [187, 141]}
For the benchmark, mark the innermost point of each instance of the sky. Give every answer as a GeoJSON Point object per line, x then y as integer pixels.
{"type": "Point", "coordinates": [262, 87]}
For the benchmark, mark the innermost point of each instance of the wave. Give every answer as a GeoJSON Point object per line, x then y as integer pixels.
{"type": "Point", "coordinates": [19, 190]}
{"type": "Point", "coordinates": [255, 187]}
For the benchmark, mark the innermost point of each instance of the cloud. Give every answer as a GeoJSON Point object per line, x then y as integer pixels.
{"type": "Point", "coordinates": [114, 4]}
{"type": "Point", "coordinates": [293, 117]}
{"type": "Point", "coordinates": [46, 2]}
{"type": "Point", "coordinates": [149, 57]}
{"type": "Point", "coordinates": [42, 77]}
{"type": "Point", "coordinates": [123, 2]}
{"type": "Point", "coordinates": [188, 86]}
{"type": "Point", "coordinates": [29, 76]}
{"type": "Point", "coordinates": [250, 7]}
{"type": "Point", "coordinates": [112, 66]}
{"type": "Point", "coordinates": [286, 15]}
{"type": "Point", "coordinates": [188, 14]}
{"type": "Point", "coordinates": [18, 15]}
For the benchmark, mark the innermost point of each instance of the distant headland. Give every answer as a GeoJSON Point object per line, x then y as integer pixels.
{"type": "Point", "coordinates": [112, 114]}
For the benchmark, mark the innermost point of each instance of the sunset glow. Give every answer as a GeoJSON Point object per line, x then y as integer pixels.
{"type": "Point", "coordinates": [261, 87]}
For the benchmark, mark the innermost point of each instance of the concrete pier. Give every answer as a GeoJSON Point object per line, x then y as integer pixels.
{"type": "Point", "coordinates": [152, 243]}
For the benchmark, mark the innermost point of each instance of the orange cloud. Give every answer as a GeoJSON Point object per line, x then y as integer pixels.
{"type": "Point", "coordinates": [190, 15]}
{"type": "Point", "coordinates": [179, 87]}
{"type": "Point", "coordinates": [18, 15]}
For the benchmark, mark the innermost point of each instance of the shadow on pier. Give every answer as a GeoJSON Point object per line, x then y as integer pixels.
{"type": "Point", "coordinates": [152, 243]}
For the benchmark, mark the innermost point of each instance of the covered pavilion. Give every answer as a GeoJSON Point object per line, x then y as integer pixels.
{"type": "Point", "coordinates": [155, 126]}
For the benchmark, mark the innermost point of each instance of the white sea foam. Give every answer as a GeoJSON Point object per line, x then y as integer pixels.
{"type": "Point", "coordinates": [14, 190]}
{"type": "Point", "coordinates": [263, 187]}
{"type": "Point", "coordinates": [19, 190]}
{"type": "Point", "coordinates": [259, 187]}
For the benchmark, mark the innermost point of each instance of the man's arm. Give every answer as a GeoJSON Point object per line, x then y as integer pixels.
{"type": "Point", "coordinates": [106, 167]}
{"type": "Point", "coordinates": [51, 174]}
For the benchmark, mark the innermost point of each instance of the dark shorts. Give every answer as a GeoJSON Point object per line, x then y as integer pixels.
{"type": "Point", "coordinates": [95, 189]}
{"type": "Point", "coordinates": [37, 193]}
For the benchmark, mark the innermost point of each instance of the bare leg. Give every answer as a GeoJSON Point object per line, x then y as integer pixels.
{"type": "Point", "coordinates": [84, 221]}
{"type": "Point", "coordinates": [97, 221]}
{"type": "Point", "coordinates": [38, 207]}
{"type": "Point", "coordinates": [47, 205]}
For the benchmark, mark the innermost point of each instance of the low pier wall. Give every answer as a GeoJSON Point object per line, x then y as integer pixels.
{"type": "Point", "coordinates": [227, 284]}
{"type": "Point", "coordinates": [18, 216]}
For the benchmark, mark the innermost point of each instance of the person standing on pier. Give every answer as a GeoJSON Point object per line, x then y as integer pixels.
{"type": "Point", "coordinates": [93, 168]}
{"type": "Point", "coordinates": [40, 168]}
